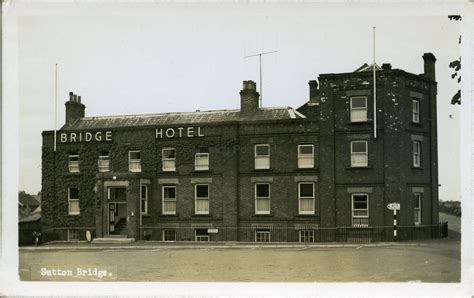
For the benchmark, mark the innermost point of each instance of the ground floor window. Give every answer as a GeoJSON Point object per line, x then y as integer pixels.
{"type": "Point", "coordinates": [72, 235]}
{"type": "Point", "coordinates": [144, 198]}
{"type": "Point", "coordinates": [360, 210]}
{"type": "Point", "coordinates": [202, 235]}
{"type": "Point", "coordinates": [169, 235]}
{"type": "Point", "coordinates": [262, 235]}
{"type": "Point", "coordinates": [306, 235]}
{"type": "Point", "coordinates": [417, 209]}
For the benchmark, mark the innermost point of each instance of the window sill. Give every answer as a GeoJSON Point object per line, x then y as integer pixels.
{"type": "Point", "coordinates": [418, 168]}
{"type": "Point", "coordinates": [417, 124]}
{"type": "Point", "coordinates": [357, 168]}
{"type": "Point", "coordinates": [146, 215]}
{"type": "Point", "coordinates": [168, 215]}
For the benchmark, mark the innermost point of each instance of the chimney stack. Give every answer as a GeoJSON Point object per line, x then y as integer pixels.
{"type": "Point", "coordinates": [74, 108]}
{"type": "Point", "coordinates": [248, 99]}
{"type": "Point", "coordinates": [313, 89]}
{"type": "Point", "coordinates": [429, 70]}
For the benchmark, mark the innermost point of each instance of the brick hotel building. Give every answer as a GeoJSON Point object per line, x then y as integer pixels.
{"type": "Point", "coordinates": [251, 174]}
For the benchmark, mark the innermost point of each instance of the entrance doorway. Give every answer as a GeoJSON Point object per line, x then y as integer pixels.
{"type": "Point", "coordinates": [118, 219]}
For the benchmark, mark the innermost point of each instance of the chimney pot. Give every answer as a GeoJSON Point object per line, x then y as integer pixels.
{"type": "Point", "coordinates": [250, 85]}
{"type": "Point", "coordinates": [74, 108]}
{"type": "Point", "coordinates": [386, 66]}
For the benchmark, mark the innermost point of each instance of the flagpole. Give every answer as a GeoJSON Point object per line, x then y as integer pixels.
{"type": "Point", "coordinates": [55, 103]}
{"type": "Point", "coordinates": [375, 87]}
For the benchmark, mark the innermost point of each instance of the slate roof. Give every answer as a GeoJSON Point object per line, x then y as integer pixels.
{"type": "Point", "coordinates": [197, 117]}
{"type": "Point", "coordinates": [27, 200]}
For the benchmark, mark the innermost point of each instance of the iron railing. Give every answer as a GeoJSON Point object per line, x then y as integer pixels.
{"type": "Point", "coordinates": [256, 232]}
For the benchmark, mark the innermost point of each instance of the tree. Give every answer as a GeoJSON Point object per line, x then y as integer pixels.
{"type": "Point", "coordinates": [456, 65]}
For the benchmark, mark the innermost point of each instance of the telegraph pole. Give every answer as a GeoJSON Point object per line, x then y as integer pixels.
{"type": "Point", "coordinates": [375, 87]}
{"type": "Point", "coordinates": [55, 103]}
{"type": "Point", "coordinates": [260, 65]}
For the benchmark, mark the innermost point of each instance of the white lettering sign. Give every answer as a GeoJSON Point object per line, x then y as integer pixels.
{"type": "Point", "coordinates": [77, 137]}
{"type": "Point", "coordinates": [180, 132]}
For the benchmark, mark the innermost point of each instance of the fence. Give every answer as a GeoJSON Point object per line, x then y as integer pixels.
{"type": "Point", "coordinates": [264, 233]}
{"type": "Point", "coordinates": [259, 233]}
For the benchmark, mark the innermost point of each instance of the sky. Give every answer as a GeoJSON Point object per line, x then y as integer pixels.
{"type": "Point", "coordinates": [190, 58]}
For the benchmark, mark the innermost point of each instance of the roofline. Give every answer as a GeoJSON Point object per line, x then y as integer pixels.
{"type": "Point", "coordinates": [176, 113]}
{"type": "Point", "coordinates": [389, 71]}
{"type": "Point", "coordinates": [233, 122]}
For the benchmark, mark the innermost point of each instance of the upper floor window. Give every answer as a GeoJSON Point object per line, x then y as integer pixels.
{"type": "Point", "coordinates": [358, 109]}
{"type": "Point", "coordinates": [306, 156]}
{"type": "Point", "coordinates": [417, 208]}
{"type": "Point", "coordinates": [73, 163]}
{"type": "Point", "coordinates": [201, 160]}
{"type": "Point", "coordinates": [415, 111]}
{"type": "Point", "coordinates": [262, 198]}
{"type": "Point", "coordinates": [360, 210]}
{"type": "Point", "coordinates": [144, 198]}
{"type": "Point", "coordinates": [73, 201]}
{"type": "Point", "coordinates": [169, 199]}
{"type": "Point", "coordinates": [134, 161]}
{"type": "Point", "coordinates": [262, 156]}
{"type": "Point", "coordinates": [169, 159]}
{"type": "Point", "coordinates": [104, 162]}
{"type": "Point", "coordinates": [359, 154]}
{"type": "Point", "coordinates": [306, 198]}
{"type": "Point", "coordinates": [202, 198]}
{"type": "Point", "coordinates": [416, 154]}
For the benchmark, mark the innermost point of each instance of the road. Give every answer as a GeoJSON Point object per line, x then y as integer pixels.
{"type": "Point", "coordinates": [431, 261]}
